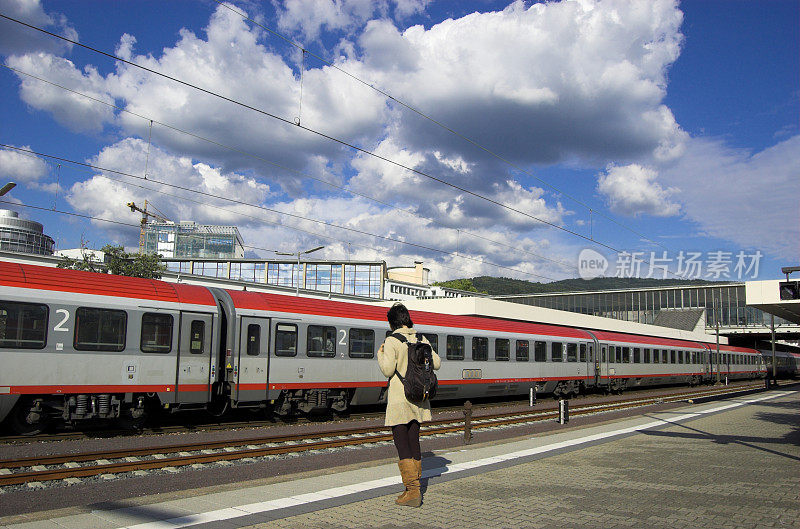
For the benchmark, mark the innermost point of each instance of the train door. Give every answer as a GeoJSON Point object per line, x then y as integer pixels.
{"type": "Point", "coordinates": [250, 373]}
{"type": "Point", "coordinates": [595, 360]}
{"type": "Point", "coordinates": [708, 365]}
{"type": "Point", "coordinates": [194, 357]}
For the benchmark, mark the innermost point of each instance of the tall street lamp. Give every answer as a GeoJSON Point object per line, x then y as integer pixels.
{"type": "Point", "coordinates": [298, 254]}
{"type": "Point", "coordinates": [6, 188]}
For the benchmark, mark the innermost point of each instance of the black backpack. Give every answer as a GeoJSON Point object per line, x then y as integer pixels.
{"type": "Point", "coordinates": [420, 381]}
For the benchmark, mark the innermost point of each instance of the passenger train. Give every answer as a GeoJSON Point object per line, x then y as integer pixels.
{"type": "Point", "coordinates": [80, 345]}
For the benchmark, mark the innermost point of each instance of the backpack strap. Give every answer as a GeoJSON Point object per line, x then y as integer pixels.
{"type": "Point", "coordinates": [401, 339]}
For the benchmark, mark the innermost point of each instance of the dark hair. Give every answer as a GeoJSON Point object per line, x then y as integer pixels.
{"type": "Point", "coordinates": [398, 316]}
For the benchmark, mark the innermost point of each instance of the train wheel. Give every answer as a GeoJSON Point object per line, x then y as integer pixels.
{"type": "Point", "coordinates": [28, 418]}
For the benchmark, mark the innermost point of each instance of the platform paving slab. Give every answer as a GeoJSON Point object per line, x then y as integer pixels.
{"type": "Point", "coordinates": [736, 469]}
{"type": "Point", "coordinates": [569, 479]}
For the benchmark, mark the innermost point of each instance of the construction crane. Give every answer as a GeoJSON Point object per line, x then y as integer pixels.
{"type": "Point", "coordinates": [145, 215]}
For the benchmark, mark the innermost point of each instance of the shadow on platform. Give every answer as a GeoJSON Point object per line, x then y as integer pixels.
{"type": "Point", "coordinates": [792, 438]}
{"type": "Point", "coordinates": [142, 513]}
{"type": "Point", "coordinates": [429, 461]}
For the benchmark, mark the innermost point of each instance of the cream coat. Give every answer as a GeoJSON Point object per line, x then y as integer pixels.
{"type": "Point", "coordinates": [392, 355]}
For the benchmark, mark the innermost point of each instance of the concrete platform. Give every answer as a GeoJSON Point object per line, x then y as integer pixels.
{"type": "Point", "coordinates": [727, 464]}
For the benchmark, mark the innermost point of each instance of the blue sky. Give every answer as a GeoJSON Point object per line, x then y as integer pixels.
{"type": "Point", "coordinates": [661, 130]}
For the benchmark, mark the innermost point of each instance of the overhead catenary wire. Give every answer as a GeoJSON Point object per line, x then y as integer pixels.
{"type": "Point", "coordinates": [435, 121]}
{"type": "Point", "coordinates": [570, 266]}
{"type": "Point", "coordinates": [100, 219]}
{"type": "Point", "coordinates": [251, 247]}
{"type": "Point", "coordinates": [327, 136]}
{"type": "Point", "coordinates": [315, 132]}
{"type": "Point", "coordinates": [271, 210]}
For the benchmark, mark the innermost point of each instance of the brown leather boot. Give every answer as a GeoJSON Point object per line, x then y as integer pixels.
{"type": "Point", "coordinates": [411, 497]}
{"type": "Point", "coordinates": [402, 497]}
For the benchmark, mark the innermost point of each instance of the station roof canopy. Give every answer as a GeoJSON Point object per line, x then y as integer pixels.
{"type": "Point", "coordinates": [766, 295]}
{"type": "Point", "coordinates": [493, 308]}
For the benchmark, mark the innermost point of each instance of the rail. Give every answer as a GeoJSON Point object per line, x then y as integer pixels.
{"type": "Point", "coordinates": [35, 469]}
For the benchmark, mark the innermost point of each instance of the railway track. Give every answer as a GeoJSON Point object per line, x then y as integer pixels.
{"type": "Point", "coordinates": [235, 423]}
{"type": "Point", "coordinates": [71, 467]}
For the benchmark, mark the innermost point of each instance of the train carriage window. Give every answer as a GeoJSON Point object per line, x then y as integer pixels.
{"type": "Point", "coordinates": [680, 357]}
{"type": "Point", "coordinates": [539, 351]}
{"type": "Point", "coordinates": [321, 341]}
{"type": "Point", "coordinates": [646, 356]}
{"type": "Point", "coordinates": [523, 350]}
{"type": "Point", "coordinates": [23, 325]}
{"type": "Point", "coordinates": [197, 333]}
{"type": "Point", "coordinates": [572, 352]}
{"type": "Point", "coordinates": [557, 352]}
{"type": "Point", "coordinates": [253, 339]}
{"type": "Point", "coordinates": [502, 349]}
{"type": "Point", "coordinates": [582, 352]}
{"type": "Point", "coordinates": [626, 355]}
{"type": "Point", "coordinates": [637, 355]}
{"type": "Point", "coordinates": [480, 348]}
{"type": "Point", "coordinates": [286, 339]}
{"type": "Point", "coordinates": [591, 352]}
{"type": "Point", "coordinates": [664, 356]}
{"type": "Point", "coordinates": [100, 329]}
{"type": "Point", "coordinates": [433, 339]}
{"type": "Point", "coordinates": [362, 343]}
{"type": "Point", "coordinates": [603, 354]}
{"type": "Point", "coordinates": [656, 356]}
{"type": "Point", "coordinates": [616, 354]}
{"type": "Point", "coordinates": [156, 333]}
{"type": "Point", "coordinates": [455, 347]}
{"type": "Point", "coordinates": [672, 357]}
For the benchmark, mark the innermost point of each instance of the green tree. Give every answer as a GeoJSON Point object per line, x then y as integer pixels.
{"type": "Point", "coordinates": [119, 262]}
{"type": "Point", "coordinates": [460, 284]}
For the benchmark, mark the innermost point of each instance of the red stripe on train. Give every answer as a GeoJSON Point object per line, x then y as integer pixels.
{"type": "Point", "coordinates": [68, 390]}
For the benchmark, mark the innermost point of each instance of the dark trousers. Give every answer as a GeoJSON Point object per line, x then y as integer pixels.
{"type": "Point", "coordinates": [406, 440]}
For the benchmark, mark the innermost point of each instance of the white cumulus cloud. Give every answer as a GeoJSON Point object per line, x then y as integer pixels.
{"type": "Point", "coordinates": [105, 195]}
{"type": "Point", "coordinates": [549, 82]}
{"type": "Point", "coordinates": [16, 39]}
{"type": "Point", "coordinates": [20, 168]}
{"type": "Point", "coordinates": [632, 190]}
{"type": "Point", "coordinates": [750, 198]}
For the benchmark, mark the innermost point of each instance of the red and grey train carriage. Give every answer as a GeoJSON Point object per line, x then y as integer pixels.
{"type": "Point", "coordinates": [77, 345]}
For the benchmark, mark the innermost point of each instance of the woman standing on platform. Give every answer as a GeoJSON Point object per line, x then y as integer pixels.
{"type": "Point", "coordinates": [403, 415]}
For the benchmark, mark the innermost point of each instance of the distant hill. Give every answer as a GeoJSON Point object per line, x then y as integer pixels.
{"type": "Point", "coordinates": [499, 286]}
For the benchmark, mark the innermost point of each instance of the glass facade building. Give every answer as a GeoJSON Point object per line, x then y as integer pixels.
{"type": "Point", "coordinates": [188, 240]}
{"type": "Point", "coordinates": [724, 303]}
{"type": "Point", "coordinates": [24, 236]}
{"type": "Point", "coordinates": [365, 279]}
